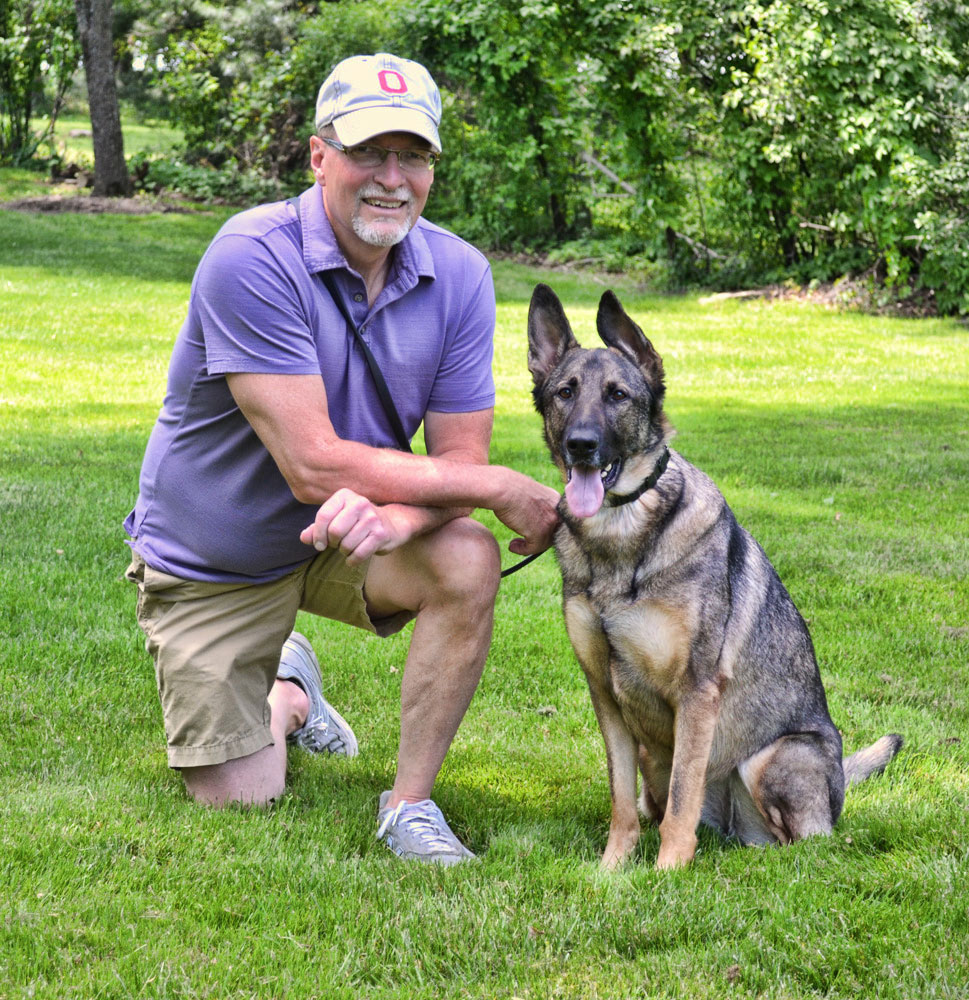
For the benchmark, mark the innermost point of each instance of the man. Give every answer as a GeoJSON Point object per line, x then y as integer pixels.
{"type": "Point", "coordinates": [271, 482]}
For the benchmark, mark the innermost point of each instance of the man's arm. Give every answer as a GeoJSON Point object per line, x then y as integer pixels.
{"type": "Point", "coordinates": [289, 413]}
{"type": "Point", "coordinates": [455, 437]}
{"type": "Point", "coordinates": [362, 529]}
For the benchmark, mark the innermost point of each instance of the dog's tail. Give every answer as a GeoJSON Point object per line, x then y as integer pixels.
{"type": "Point", "coordinates": [872, 760]}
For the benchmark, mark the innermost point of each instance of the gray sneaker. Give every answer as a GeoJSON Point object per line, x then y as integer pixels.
{"type": "Point", "coordinates": [418, 831]}
{"type": "Point", "coordinates": [325, 730]}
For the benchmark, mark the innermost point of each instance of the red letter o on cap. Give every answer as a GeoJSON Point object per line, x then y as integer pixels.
{"type": "Point", "coordinates": [391, 82]}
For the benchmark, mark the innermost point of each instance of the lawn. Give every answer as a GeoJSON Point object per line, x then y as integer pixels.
{"type": "Point", "coordinates": [72, 137]}
{"type": "Point", "coordinates": [842, 443]}
{"type": "Point", "coordinates": [73, 144]}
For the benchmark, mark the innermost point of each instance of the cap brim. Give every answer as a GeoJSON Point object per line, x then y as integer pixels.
{"type": "Point", "coordinates": [358, 126]}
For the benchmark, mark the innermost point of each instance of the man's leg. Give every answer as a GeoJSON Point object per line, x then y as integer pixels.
{"type": "Point", "coordinates": [449, 579]}
{"type": "Point", "coordinates": [260, 777]}
{"type": "Point", "coordinates": [216, 649]}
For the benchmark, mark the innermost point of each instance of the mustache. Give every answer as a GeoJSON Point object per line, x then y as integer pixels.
{"type": "Point", "coordinates": [376, 191]}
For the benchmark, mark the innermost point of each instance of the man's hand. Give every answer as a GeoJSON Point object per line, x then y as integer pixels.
{"type": "Point", "coordinates": [359, 528]}
{"type": "Point", "coordinates": [530, 511]}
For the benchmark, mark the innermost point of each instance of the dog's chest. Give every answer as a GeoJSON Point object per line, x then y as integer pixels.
{"type": "Point", "coordinates": [637, 654]}
{"type": "Point", "coordinates": [629, 630]}
{"type": "Point", "coordinates": [650, 640]}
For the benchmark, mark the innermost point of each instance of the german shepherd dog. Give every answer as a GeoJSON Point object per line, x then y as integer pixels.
{"type": "Point", "coordinates": [701, 669]}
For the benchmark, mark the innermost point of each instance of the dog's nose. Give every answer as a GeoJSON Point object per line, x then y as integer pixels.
{"type": "Point", "coordinates": [581, 445]}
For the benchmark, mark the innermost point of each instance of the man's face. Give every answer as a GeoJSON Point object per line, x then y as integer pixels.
{"type": "Point", "coordinates": [371, 206]}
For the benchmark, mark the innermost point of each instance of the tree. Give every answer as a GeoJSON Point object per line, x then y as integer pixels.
{"type": "Point", "coordinates": [833, 118]}
{"type": "Point", "coordinates": [111, 177]}
{"type": "Point", "coordinates": [514, 112]}
{"type": "Point", "coordinates": [37, 44]}
{"type": "Point", "coordinates": [743, 141]}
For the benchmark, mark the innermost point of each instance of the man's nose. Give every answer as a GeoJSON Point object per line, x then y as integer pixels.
{"type": "Point", "coordinates": [389, 172]}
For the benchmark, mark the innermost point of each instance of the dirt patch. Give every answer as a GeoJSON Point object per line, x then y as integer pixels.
{"type": "Point", "coordinates": [89, 204]}
{"type": "Point", "coordinates": [860, 294]}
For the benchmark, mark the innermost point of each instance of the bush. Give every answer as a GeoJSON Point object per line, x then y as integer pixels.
{"type": "Point", "coordinates": [205, 183]}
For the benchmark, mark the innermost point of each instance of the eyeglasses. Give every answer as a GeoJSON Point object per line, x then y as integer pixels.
{"type": "Point", "coordinates": [370, 157]}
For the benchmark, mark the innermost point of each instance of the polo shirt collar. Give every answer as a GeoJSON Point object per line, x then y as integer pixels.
{"type": "Point", "coordinates": [321, 252]}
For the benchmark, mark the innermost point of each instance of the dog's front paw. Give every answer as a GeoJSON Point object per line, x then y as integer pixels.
{"type": "Point", "coordinates": [670, 860]}
{"type": "Point", "coordinates": [676, 854]}
{"type": "Point", "coordinates": [611, 861]}
{"type": "Point", "coordinates": [619, 848]}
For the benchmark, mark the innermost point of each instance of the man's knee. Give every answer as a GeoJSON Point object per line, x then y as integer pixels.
{"type": "Point", "coordinates": [464, 561]}
{"type": "Point", "coordinates": [258, 779]}
{"type": "Point", "coordinates": [456, 566]}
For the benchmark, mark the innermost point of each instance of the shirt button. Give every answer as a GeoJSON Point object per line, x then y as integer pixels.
{"type": "Point", "coordinates": [358, 297]}
{"type": "Point", "coordinates": [363, 329]}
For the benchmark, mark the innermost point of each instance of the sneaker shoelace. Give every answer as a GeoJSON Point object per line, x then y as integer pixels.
{"type": "Point", "coordinates": [319, 737]}
{"type": "Point", "coordinates": [423, 820]}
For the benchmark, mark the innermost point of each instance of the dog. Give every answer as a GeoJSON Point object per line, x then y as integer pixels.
{"type": "Point", "coordinates": [701, 670]}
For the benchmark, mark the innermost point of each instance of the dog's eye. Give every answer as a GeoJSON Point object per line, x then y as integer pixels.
{"type": "Point", "coordinates": [618, 395]}
{"type": "Point", "coordinates": [565, 392]}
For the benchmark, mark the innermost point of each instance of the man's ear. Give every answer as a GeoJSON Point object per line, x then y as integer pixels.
{"type": "Point", "coordinates": [317, 150]}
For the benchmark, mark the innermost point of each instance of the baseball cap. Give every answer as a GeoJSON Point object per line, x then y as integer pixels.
{"type": "Point", "coordinates": [367, 95]}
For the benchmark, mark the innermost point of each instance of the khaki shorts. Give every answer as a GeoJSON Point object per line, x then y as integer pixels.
{"type": "Point", "coordinates": [216, 648]}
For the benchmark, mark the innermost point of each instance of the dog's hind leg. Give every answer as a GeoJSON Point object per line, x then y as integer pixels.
{"type": "Point", "coordinates": [744, 820]}
{"type": "Point", "coordinates": [797, 784]}
{"type": "Point", "coordinates": [654, 766]}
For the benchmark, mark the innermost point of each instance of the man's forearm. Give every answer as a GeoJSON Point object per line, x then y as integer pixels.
{"type": "Point", "coordinates": [420, 520]}
{"type": "Point", "coordinates": [520, 503]}
{"type": "Point", "coordinates": [384, 475]}
{"type": "Point", "coordinates": [289, 415]}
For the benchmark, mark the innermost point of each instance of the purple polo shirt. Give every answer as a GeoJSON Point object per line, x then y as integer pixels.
{"type": "Point", "coordinates": [212, 504]}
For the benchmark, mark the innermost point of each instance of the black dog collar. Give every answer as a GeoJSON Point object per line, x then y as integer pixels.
{"type": "Point", "coordinates": [647, 484]}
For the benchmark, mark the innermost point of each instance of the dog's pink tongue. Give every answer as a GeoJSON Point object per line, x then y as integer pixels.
{"type": "Point", "coordinates": [584, 493]}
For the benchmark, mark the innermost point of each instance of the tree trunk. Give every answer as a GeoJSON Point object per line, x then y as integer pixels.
{"type": "Point", "coordinates": [94, 29]}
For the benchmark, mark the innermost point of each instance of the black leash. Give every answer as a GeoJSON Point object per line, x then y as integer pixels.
{"type": "Point", "coordinates": [383, 390]}
{"type": "Point", "coordinates": [518, 566]}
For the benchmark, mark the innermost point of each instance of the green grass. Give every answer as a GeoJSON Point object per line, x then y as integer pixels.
{"type": "Point", "coordinates": [842, 442]}
{"type": "Point", "coordinates": [139, 137]}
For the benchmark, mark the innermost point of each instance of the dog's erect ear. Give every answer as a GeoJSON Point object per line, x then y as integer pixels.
{"type": "Point", "coordinates": [549, 333]}
{"type": "Point", "coordinates": [617, 330]}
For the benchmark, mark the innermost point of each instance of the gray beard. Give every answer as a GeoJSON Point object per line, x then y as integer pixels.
{"type": "Point", "coordinates": [376, 234]}
{"type": "Point", "coordinates": [379, 235]}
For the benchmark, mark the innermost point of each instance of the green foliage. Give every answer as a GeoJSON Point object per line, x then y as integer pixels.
{"type": "Point", "coordinates": [199, 57]}
{"type": "Point", "coordinates": [835, 116]}
{"type": "Point", "coordinates": [514, 116]}
{"type": "Point", "coordinates": [198, 95]}
{"type": "Point", "coordinates": [642, 114]}
{"type": "Point", "coordinates": [204, 183]}
{"type": "Point", "coordinates": [725, 144]}
{"type": "Point", "coordinates": [943, 230]}
{"type": "Point", "coordinates": [38, 46]}
{"type": "Point", "coordinates": [241, 80]}
{"type": "Point", "coordinates": [276, 106]}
